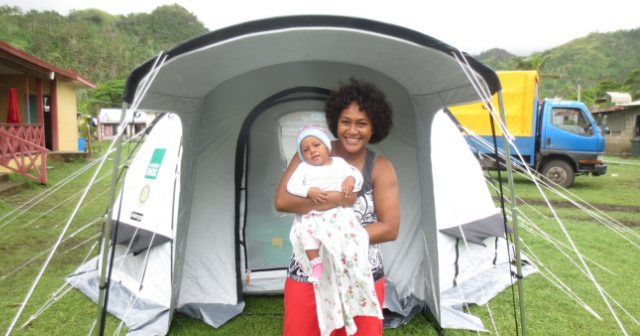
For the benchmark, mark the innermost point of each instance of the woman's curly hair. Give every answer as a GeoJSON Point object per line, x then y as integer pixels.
{"type": "Point", "coordinates": [370, 99]}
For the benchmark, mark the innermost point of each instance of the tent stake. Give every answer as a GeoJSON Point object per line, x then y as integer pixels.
{"type": "Point", "coordinates": [514, 215]}
{"type": "Point", "coordinates": [104, 247]}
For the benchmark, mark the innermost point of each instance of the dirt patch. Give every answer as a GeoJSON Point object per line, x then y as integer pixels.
{"type": "Point", "coordinates": [593, 220]}
{"type": "Point", "coordinates": [567, 204]}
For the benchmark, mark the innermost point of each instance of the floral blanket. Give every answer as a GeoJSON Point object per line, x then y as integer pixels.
{"type": "Point", "coordinates": [346, 288]}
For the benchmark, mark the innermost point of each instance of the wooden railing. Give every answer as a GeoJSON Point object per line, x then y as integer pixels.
{"type": "Point", "coordinates": [29, 132]}
{"type": "Point", "coordinates": [22, 148]}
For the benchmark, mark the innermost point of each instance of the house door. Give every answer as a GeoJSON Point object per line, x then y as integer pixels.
{"type": "Point", "coordinates": [33, 110]}
{"type": "Point", "coordinates": [48, 136]}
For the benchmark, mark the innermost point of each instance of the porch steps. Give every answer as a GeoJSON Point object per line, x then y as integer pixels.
{"type": "Point", "coordinates": [8, 188]}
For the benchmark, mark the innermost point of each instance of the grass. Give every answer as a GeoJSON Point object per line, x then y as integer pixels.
{"type": "Point", "coordinates": [549, 311]}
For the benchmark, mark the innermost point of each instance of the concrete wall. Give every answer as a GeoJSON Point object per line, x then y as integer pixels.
{"type": "Point", "coordinates": [622, 124]}
{"type": "Point", "coordinates": [67, 118]}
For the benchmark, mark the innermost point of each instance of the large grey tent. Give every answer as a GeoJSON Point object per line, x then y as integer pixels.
{"type": "Point", "coordinates": [232, 90]}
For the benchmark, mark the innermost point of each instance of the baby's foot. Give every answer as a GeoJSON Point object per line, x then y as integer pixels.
{"type": "Point", "coordinates": [316, 273]}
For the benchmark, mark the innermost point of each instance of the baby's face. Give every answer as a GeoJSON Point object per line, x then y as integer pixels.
{"type": "Point", "coordinates": [314, 151]}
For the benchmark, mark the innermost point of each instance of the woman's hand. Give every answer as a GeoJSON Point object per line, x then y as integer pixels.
{"type": "Point", "coordinates": [317, 195]}
{"type": "Point", "coordinates": [347, 186]}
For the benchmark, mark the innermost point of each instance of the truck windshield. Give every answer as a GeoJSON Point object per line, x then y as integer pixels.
{"type": "Point", "coordinates": [571, 120]}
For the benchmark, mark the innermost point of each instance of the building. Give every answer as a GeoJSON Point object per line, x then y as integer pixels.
{"type": "Point", "coordinates": [110, 119]}
{"type": "Point", "coordinates": [619, 124]}
{"type": "Point", "coordinates": [46, 98]}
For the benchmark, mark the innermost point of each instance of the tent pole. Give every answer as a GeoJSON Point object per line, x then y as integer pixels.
{"type": "Point", "coordinates": [514, 215]}
{"type": "Point", "coordinates": [104, 247]}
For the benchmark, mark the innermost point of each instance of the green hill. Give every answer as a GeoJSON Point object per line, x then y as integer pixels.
{"type": "Point", "coordinates": [496, 58]}
{"type": "Point", "coordinates": [592, 59]}
{"type": "Point", "coordinates": [98, 45]}
{"type": "Point", "coordinates": [587, 61]}
{"type": "Point", "coordinates": [105, 47]}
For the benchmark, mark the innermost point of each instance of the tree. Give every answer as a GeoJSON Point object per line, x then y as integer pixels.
{"type": "Point", "coordinates": [534, 61]}
{"type": "Point", "coordinates": [107, 95]}
{"type": "Point", "coordinates": [633, 83]}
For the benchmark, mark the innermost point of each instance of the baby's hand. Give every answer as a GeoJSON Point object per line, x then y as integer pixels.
{"type": "Point", "coordinates": [317, 195]}
{"type": "Point", "coordinates": [347, 186]}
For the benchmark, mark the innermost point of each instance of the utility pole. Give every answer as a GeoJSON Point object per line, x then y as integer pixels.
{"type": "Point", "coordinates": [89, 136]}
{"type": "Point", "coordinates": [99, 132]}
{"type": "Point", "coordinates": [579, 89]}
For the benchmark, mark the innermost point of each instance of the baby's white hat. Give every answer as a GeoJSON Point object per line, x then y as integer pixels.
{"type": "Point", "coordinates": [315, 131]}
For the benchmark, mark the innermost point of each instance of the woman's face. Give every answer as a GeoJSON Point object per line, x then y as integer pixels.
{"type": "Point", "coordinates": [354, 128]}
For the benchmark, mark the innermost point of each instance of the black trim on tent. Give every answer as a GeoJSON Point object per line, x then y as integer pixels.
{"type": "Point", "coordinates": [243, 242]}
{"type": "Point", "coordinates": [139, 240]}
{"type": "Point", "coordinates": [455, 276]}
{"type": "Point", "coordinates": [243, 139]}
{"type": "Point", "coordinates": [304, 21]}
{"type": "Point", "coordinates": [477, 231]}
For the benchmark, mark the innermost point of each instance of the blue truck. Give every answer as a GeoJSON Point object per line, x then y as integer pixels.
{"type": "Point", "coordinates": [557, 138]}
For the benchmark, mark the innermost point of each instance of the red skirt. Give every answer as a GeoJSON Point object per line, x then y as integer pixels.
{"type": "Point", "coordinates": [301, 318]}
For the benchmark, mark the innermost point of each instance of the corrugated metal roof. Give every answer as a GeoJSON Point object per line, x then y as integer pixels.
{"type": "Point", "coordinates": [619, 97]}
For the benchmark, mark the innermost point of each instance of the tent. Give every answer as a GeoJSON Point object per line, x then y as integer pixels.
{"type": "Point", "coordinates": [232, 90]}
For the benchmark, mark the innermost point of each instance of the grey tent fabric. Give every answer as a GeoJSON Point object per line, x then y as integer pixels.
{"type": "Point", "coordinates": [229, 88]}
{"type": "Point", "coordinates": [477, 231]}
{"type": "Point", "coordinates": [138, 239]}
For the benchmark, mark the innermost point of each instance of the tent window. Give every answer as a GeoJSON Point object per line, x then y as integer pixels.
{"type": "Point", "coordinates": [291, 123]}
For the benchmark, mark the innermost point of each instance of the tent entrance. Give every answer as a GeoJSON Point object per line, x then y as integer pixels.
{"type": "Point", "coordinates": [269, 143]}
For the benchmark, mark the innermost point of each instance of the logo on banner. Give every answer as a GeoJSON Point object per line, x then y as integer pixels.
{"type": "Point", "coordinates": [154, 165]}
{"type": "Point", "coordinates": [136, 216]}
{"type": "Point", "coordinates": [144, 194]}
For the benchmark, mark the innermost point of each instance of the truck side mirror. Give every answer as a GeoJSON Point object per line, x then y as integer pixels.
{"type": "Point", "coordinates": [606, 130]}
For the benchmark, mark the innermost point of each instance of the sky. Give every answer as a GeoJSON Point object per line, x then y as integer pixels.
{"type": "Point", "coordinates": [472, 26]}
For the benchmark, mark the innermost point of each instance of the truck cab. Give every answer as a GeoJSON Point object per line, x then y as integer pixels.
{"type": "Point", "coordinates": [557, 138]}
{"type": "Point", "coordinates": [568, 143]}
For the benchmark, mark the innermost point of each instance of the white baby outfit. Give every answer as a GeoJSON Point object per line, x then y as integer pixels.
{"type": "Point", "coordinates": [346, 287]}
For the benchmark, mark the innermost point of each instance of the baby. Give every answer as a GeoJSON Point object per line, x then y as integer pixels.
{"type": "Point", "coordinates": [317, 174]}
{"type": "Point", "coordinates": [331, 246]}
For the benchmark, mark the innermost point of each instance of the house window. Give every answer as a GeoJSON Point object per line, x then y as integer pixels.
{"type": "Point", "coordinates": [107, 130]}
{"type": "Point", "coordinates": [571, 120]}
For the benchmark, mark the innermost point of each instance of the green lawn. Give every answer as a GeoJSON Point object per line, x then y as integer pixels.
{"type": "Point", "coordinates": [549, 310]}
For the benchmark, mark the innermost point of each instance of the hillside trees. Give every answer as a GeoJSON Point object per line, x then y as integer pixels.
{"type": "Point", "coordinates": [535, 61]}
{"type": "Point", "coordinates": [99, 46]}
{"type": "Point", "coordinates": [585, 61]}
{"type": "Point", "coordinates": [633, 84]}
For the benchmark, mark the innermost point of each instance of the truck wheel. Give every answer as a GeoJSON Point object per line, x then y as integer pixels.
{"type": "Point", "coordinates": [559, 172]}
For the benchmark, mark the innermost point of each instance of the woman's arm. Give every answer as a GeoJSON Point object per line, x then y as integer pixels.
{"type": "Point", "coordinates": [386, 196]}
{"type": "Point", "coordinates": [286, 202]}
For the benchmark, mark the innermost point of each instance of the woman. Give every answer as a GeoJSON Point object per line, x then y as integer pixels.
{"type": "Point", "coordinates": [357, 114]}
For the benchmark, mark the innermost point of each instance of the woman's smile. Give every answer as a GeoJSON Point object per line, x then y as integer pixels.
{"type": "Point", "coordinates": [354, 128]}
